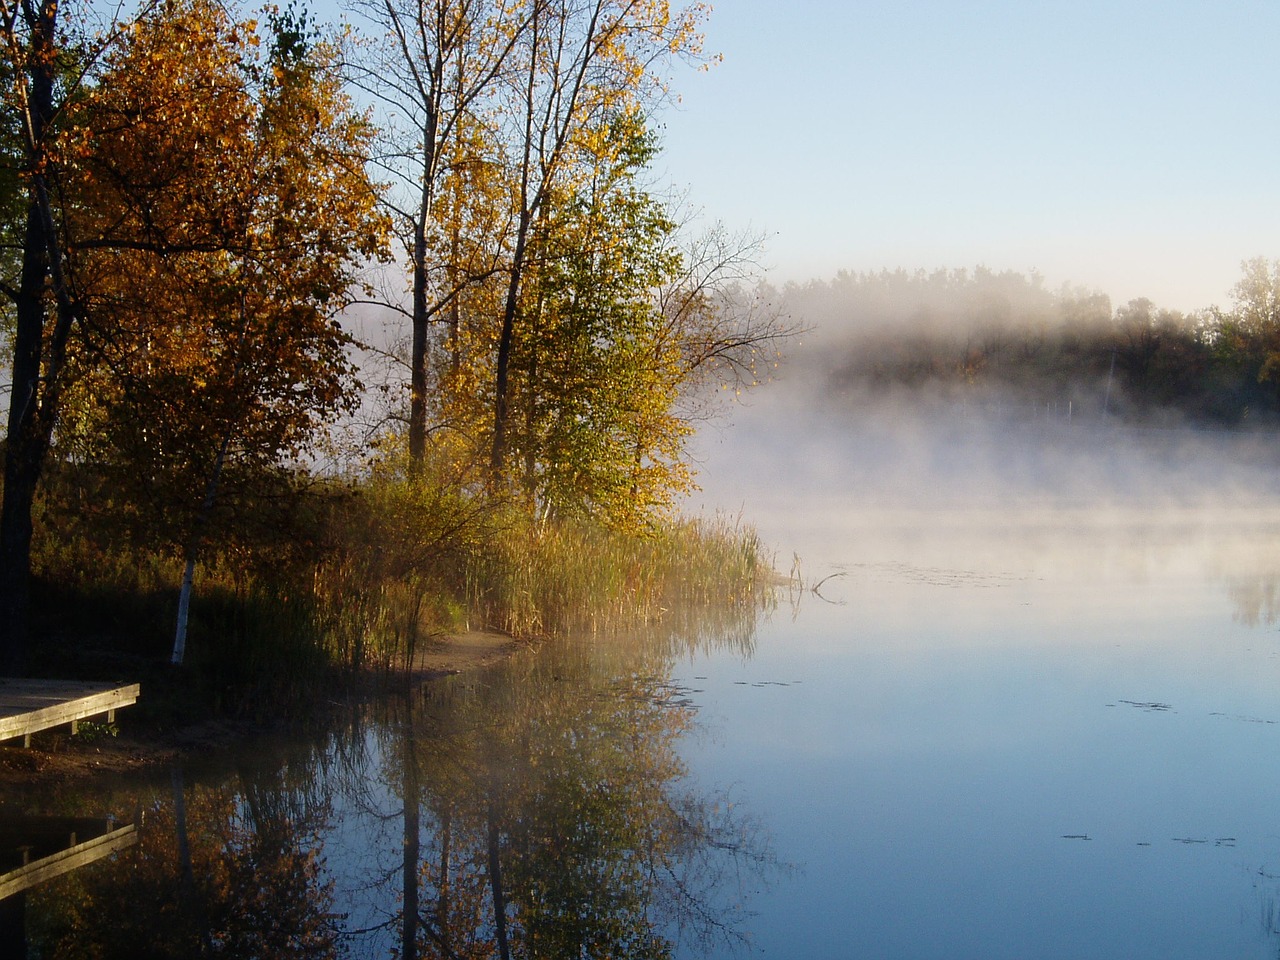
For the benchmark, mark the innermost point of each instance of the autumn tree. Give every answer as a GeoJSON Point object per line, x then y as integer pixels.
{"type": "Point", "coordinates": [502, 96]}
{"type": "Point", "coordinates": [222, 241]}
{"type": "Point", "coordinates": [436, 69]}
{"type": "Point", "coordinates": [630, 329]}
{"type": "Point", "coordinates": [213, 208]}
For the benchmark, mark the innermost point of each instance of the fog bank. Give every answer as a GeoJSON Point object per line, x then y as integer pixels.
{"type": "Point", "coordinates": [817, 450]}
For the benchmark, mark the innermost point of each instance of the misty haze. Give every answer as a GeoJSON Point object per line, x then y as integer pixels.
{"type": "Point", "coordinates": [1026, 678]}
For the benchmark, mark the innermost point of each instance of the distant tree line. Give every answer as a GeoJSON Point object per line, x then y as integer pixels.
{"type": "Point", "coordinates": [1003, 338]}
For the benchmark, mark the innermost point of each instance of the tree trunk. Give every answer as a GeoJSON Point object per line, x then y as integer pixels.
{"type": "Point", "coordinates": [184, 608]}
{"type": "Point", "coordinates": [31, 410]}
{"type": "Point", "coordinates": [418, 352]}
{"type": "Point", "coordinates": [193, 548]}
{"type": "Point", "coordinates": [498, 456]}
{"type": "Point", "coordinates": [24, 452]}
{"type": "Point", "coordinates": [421, 315]}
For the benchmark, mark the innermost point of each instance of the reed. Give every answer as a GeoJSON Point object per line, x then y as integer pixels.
{"type": "Point", "coordinates": [536, 579]}
{"type": "Point", "coordinates": [371, 572]}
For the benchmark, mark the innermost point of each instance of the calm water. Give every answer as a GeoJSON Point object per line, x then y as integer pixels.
{"type": "Point", "coordinates": [1013, 741]}
{"type": "Point", "coordinates": [1039, 730]}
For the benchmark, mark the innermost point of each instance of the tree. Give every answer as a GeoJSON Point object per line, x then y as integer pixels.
{"type": "Point", "coordinates": [1254, 323]}
{"type": "Point", "coordinates": [1137, 340]}
{"type": "Point", "coordinates": [503, 96]}
{"type": "Point", "coordinates": [213, 208]}
{"type": "Point", "coordinates": [580, 63]}
{"type": "Point", "coordinates": [593, 385]}
{"type": "Point", "coordinates": [212, 340]}
{"type": "Point", "coordinates": [550, 310]}
{"type": "Point", "coordinates": [436, 69]}
{"type": "Point", "coordinates": [625, 327]}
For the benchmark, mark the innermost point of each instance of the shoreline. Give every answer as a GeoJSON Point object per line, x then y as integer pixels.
{"type": "Point", "coordinates": [54, 757]}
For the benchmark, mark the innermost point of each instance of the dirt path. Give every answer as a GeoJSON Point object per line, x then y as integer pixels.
{"type": "Point", "coordinates": [467, 651]}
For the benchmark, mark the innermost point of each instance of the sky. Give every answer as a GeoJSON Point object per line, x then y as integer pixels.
{"type": "Point", "coordinates": [1128, 147]}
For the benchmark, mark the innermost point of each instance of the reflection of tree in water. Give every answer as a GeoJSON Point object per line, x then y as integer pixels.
{"type": "Point", "coordinates": [1249, 572]}
{"type": "Point", "coordinates": [1256, 598]}
{"type": "Point", "coordinates": [226, 868]}
{"type": "Point", "coordinates": [571, 812]}
{"type": "Point", "coordinates": [549, 814]}
{"type": "Point", "coordinates": [556, 816]}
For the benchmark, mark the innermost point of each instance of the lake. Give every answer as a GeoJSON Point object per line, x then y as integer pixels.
{"type": "Point", "coordinates": [1019, 702]}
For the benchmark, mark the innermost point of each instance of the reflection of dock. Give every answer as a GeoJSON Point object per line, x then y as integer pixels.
{"type": "Point", "coordinates": [36, 849]}
{"type": "Point", "coordinates": [28, 706]}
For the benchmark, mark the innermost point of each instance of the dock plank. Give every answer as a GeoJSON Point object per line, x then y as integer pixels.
{"type": "Point", "coordinates": [29, 706]}
{"type": "Point", "coordinates": [59, 846]}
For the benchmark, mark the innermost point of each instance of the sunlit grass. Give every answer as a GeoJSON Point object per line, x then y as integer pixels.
{"type": "Point", "coordinates": [375, 573]}
{"type": "Point", "coordinates": [545, 579]}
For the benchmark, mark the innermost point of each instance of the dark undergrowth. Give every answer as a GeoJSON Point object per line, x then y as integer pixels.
{"type": "Point", "coordinates": [328, 599]}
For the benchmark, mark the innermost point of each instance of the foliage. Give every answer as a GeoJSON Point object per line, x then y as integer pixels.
{"type": "Point", "coordinates": [553, 579]}
{"type": "Point", "coordinates": [195, 210]}
{"type": "Point", "coordinates": [593, 380]}
{"type": "Point", "coordinates": [213, 351]}
{"type": "Point", "coordinates": [331, 579]}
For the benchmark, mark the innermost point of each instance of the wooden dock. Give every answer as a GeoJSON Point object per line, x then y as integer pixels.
{"type": "Point", "coordinates": [29, 706]}
{"type": "Point", "coordinates": [36, 849]}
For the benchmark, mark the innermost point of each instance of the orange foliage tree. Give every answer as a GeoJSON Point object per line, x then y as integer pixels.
{"type": "Point", "coordinates": [214, 346]}
{"type": "Point", "coordinates": [215, 213]}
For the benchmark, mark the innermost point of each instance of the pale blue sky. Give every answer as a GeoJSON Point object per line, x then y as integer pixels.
{"type": "Point", "coordinates": [1126, 146]}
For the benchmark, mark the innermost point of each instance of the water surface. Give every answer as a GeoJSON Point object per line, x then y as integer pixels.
{"type": "Point", "coordinates": [980, 725]}
{"type": "Point", "coordinates": [1018, 736]}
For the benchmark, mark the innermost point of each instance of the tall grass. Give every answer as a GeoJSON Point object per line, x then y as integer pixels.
{"type": "Point", "coordinates": [369, 574]}
{"type": "Point", "coordinates": [536, 579]}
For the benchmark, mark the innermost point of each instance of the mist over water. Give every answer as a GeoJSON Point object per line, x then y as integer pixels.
{"type": "Point", "coordinates": [1028, 685]}
{"type": "Point", "coordinates": [809, 454]}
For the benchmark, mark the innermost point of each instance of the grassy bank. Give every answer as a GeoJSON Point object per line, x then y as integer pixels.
{"type": "Point", "coordinates": [354, 580]}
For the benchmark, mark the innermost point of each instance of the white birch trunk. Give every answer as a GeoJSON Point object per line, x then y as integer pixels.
{"type": "Point", "coordinates": [184, 605]}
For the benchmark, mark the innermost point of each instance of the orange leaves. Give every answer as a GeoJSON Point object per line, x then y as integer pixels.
{"type": "Point", "coordinates": [168, 118]}
{"type": "Point", "coordinates": [224, 213]}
